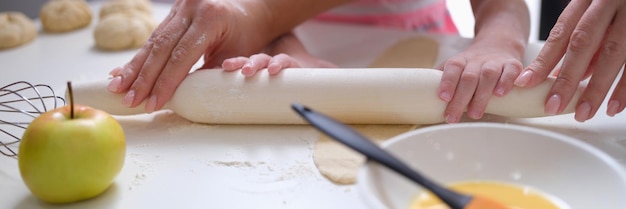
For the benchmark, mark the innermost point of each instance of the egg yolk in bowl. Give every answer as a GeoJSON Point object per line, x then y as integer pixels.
{"type": "Point", "coordinates": [512, 196]}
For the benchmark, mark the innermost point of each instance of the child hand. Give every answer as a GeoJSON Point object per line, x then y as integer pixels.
{"type": "Point", "coordinates": [287, 51]}
{"type": "Point", "coordinates": [471, 77]}
{"type": "Point", "coordinates": [250, 65]}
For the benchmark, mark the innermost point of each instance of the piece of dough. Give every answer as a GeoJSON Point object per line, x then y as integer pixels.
{"type": "Point", "coordinates": [16, 29]}
{"type": "Point", "coordinates": [125, 6]}
{"type": "Point", "coordinates": [65, 15]}
{"type": "Point", "coordinates": [120, 31]}
{"type": "Point", "coordinates": [415, 52]}
{"type": "Point", "coordinates": [124, 24]}
{"type": "Point", "coordinates": [340, 164]}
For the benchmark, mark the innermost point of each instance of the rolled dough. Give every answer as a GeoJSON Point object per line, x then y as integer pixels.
{"type": "Point", "coordinates": [351, 95]}
{"type": "Point", "coordinates": [340, 164]}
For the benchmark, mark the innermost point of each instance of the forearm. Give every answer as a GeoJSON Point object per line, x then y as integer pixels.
{"type": "Point", "coordinates": [277, 17]}
{"type": "Point", "coordinates": [503, 24]}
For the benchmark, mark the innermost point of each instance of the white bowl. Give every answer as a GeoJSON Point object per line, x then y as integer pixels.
{"type": "Point", "coordinates": [580, 175]}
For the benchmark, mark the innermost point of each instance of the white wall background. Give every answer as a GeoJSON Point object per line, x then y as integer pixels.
{"type": "Point", "coordinates": [462, 15]}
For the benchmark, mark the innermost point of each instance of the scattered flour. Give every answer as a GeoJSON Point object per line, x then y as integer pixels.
{"type": "Point", "coordinates": [146, 168]}
{"type": "Point", "coordinates": [275, 172]}
{"type": "Point", "coordinates": [236, 164]}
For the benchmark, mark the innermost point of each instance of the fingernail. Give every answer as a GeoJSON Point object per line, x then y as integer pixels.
{"type": "Point", "coordinates": [126, 70]}
{"type": "Point", "coordinates": [129, 98]}
{"type": "Point", "coordinates": [451, 119]}
{"type": "Point", "coordinates": [582, 112]}
{"type": "Point", "coordinates": [474, 114]}
{"type": "Point", "coordinates": [115, 71]}
{"type": "Point", "coordinates": [445, 96]}
{"type": "Point", "coordinates": [273, 69]}
{"type": "Point", "coordinates": [613, 107]}
{"type": "Point", "coordinates": [499, 91]}
{"type": "Point", "coordinates": [151, 104]}
{"type": "Point", "coordinates": [114, 85]}
{"type": "Point", "coordinates": [553, 104]}
{"type": "Point", "coordinates": [228, 65]}
{"type": "Point", "coordinates": [523, 79]}
{"type": "Point", "coordinates": [247, 70]}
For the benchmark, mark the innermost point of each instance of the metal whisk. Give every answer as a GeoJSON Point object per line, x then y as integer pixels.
{"type": "Point", "coordinates": [20, 103]}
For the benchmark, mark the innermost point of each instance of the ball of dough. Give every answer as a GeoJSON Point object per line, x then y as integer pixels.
{"type": "Point", "coordinates": [16, 29]}
{"type": "Point", "coordinates": [123, 31]}
{"type": "Point", "coordinates": [125, 6]}
{"type": "Point", "coordinates": [65, 15]}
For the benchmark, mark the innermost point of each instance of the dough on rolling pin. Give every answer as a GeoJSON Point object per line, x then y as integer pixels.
{"type": "Point", "coordinates": [415, 52]}
{"type": "Point", "coordinates": [16, 29]}
{"type": "Point", "coordinates": [351, 95]}
{"type": "Point", "coordinates": [65, 15]}
{"type": "Point", "coordinates": [339, 163]}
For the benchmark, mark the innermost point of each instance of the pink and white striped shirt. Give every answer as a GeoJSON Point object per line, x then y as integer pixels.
{"type": "Point", "coordinates": [414, 15]}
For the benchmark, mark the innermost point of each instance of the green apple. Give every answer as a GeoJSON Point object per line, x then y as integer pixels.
{"type": "Point", "coordinates": [71, 154]}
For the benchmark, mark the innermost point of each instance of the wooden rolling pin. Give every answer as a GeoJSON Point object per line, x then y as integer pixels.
{"type": "Point", "coordinates": [351, 95]}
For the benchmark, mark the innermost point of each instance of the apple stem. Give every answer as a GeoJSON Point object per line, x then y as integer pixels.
{"type": "Point", "coordinates": [69, 90]}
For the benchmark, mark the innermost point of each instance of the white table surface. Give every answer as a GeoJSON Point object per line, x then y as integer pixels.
{"type": "Point", "coordinates": [172, 163]}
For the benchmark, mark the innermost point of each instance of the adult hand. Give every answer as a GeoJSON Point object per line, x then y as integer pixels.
{"type": "Point", "coordinates": [217, 29]}
{"type": "Point", "coordinates": [590, 36]}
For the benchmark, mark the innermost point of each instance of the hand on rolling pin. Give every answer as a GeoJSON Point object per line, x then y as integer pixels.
{"type": "Point", "coordinates": [488, 67]}
{"type": "Point", "coordinates": [590, 36]}
{"type": "Point", "coordinates": [470, 78]}
{"type": "Point", "coordinates": [217, 29]}
{"type": "Point", "coordinates": [491, 63]}
{"type": "Point", "coordinates": [285, 52]}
